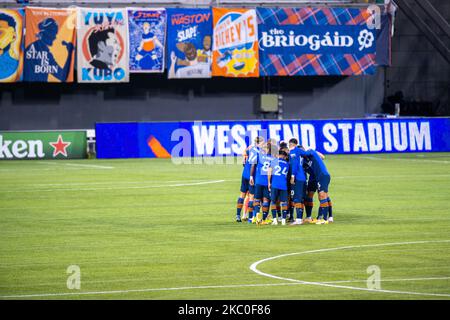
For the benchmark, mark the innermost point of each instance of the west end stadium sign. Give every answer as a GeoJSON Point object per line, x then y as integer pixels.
{"type": "Point", "coordinates": [42, 145]}
{"type": "Point", "coordinates": [230, 138]}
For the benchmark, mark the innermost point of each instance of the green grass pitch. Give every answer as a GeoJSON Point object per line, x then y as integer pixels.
{"type": "Point", "coordinates": [149, 229]}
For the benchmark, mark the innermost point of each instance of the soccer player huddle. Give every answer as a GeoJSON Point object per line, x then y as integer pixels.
{"type": "Point", "coordinates": [283, 178]}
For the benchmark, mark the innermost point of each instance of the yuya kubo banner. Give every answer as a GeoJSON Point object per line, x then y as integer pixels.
{"type": "Point", "coordinates": [102, 45]}
{"type": "Point", "coordinates": [50, 44]}
{"type": "Point", "coordinates": [189, 34]}
{"type": "Point", "coordinates": [11, 45]}
{"type": "Point", "coordinates": [315, 41]}
{"type": "Point", "coordinates": [235, 43]}
{"type": "Point", "coordinates": [147, 29]}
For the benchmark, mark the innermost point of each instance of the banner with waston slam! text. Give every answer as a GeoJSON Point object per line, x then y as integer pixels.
{"type": "Point", "coordinates": [102, 45]}
{"type": "Point", "coordinates": [49, 44]}
{"type": "Point", "coordinates": [11, 44]}
{"type": "Point", "coordinates": [235, 43]}
{"type": "Point", "coordinates": [147, 30]}
{"type": "Point", "coordinates": [316, 41]}
{"type": "Point", "coordinates": [189, 43]}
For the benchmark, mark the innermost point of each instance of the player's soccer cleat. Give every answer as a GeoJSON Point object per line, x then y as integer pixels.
{"type": "Point", "coordinates": [279, 219]}
{"type": "Point", "coordinates": [283, 222]}
{"type": "Point", "coordinates": [238, 219]}
{"type": "Point", "coordinates": [330, 220]}
{"type": "Point", "coordinates": [269, 221]}
{"type": "Point", "coordinates": [275, 222]}
{"type": "Point", "coordinates": [258, 218]}
{"type": "Point", "coordinates": [321, 221]}
{"type": "Point", "coordinates": [308, 221]}
{"type": "Point", "coordinates": [313, 221]}
{"type": "Point", "coordinates": [297, 222]}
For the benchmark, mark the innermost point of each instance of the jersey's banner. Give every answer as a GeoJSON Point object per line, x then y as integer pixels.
{"type": "Point", "coordinates": [316, 41]}
{"type": "Point", "coordinates": [102, 54]}
{"type": "Point", "coordinates": [49, 44]}
{"type": "Point", "coordinates": [189, 41]}
{"type": "Point", "coordinates": [230, 138]}
{"type": "Point", "coordinates": [235, 43]}
{"type": "Point", "coordinates": [11, 45]}
{"type": "Point", "coordinates": [147, 28]}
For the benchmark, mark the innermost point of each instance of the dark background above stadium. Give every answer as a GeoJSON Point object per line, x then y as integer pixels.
{"type": "Point", "coordinates": [418, 78]}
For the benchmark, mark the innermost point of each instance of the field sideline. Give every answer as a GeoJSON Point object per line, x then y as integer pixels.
{"type": "Point", "coordinates": [149, 229]}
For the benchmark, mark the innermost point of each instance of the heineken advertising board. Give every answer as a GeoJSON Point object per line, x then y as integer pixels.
{"type": "Point", "coordinates": [42, 145]}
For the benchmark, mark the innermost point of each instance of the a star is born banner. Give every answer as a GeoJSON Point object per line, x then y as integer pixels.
{"type": "Point", "coordinates": [11, 45]}
{"type": "Point", "coordinates": [315, 41]}
{"type": "Point", "coordinates": [147, 29]}
{"type": "Point", "coordinates": [189, 34]}
{"type": "Point", "coordinates": [102, 53]}
{"type": "Point", "coordinates": [49, 44]}
{"type": "Point", "coordinates": [235, 43]}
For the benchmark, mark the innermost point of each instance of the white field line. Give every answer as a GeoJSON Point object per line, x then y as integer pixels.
{"type": "Point", "coordinates": [144, 290]}
{"type": "Point", "coordinates": [254, 266]}
{"type": "Point", "coordinates": [95, 166]}
{"type": "Point", "coordinates": [198, 287]}
{"type": "Point", "coordinates": [117, 188]}
{"type": "Point", "coordinates": [390, 280]}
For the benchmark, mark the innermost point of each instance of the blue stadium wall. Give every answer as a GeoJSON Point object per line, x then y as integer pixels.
{"type": "Point", "coordinates": [230, 138]}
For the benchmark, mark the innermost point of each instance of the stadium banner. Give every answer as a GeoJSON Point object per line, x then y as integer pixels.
{"type": "Point", "coordinates": [230, 138]}
{"type": "Point", "coordinates": [147, 30]}
{"type": "Point", "coordinates": [102, 52]}
{"type": "Point", "coordinates": [15, 145]}
{"type": "Point", "coordinates": [189, 34]}
{"type": "Point", "coordinates": [11, 44]}
{"type": "Point", "coordinates": [235, 43]}
{"type": "Point", "coordinates": [316, 41]}
{"type": "Point", "coordinates": [49, 44]}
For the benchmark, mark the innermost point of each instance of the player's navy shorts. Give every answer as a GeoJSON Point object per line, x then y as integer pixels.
{"type": "Point", "coordinates": [299, 191]}
{"type": "Point", "coordinates": [245, 186]}
{"type": "Point", "coordinates": [312, 185]}
{"type": "Point", "coordinates": [323, 182]}
{"type": "Point", "coordinates": [261, 192]}
{"type": "Point", "coordinates": [278, 195]}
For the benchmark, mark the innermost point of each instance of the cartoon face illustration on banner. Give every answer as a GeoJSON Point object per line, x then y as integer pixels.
{"type": "Point", "coordinates": [147, 29]}
{"type": "Point", "coordinates": [190, 43]}
{"type": "Point", "coordinates": [235, 51]}
{"type": "Point", "coordinates": [103, 45]}
{"type": "Point", "coordinates": [11, 45]}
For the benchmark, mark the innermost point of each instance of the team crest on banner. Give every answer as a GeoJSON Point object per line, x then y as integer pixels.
{"type": "Point", "coordinates": [102, 45]}
{"type": "Point", "coordinates": [49, 44]}
{"type": "Point", "coordinates": [235, 43]}
{"type": "Point", "coordinates": [11, 45]}
{"type": "Point", "coordinates": [316, 41]}
{"type": "Point", "coordinates": [189, 34]}
{"type": "Point", "coordinates": [147, 28]}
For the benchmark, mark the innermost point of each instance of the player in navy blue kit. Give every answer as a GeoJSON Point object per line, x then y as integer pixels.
{"type": "Point", "coordinates": [298, 178]}
{"type": "Point", "coordinates": [323, 178]}
{"type": "Point", "coordinates": [261, 181]}
{"type": "Point", "coordinates": [250, 159]}
{"type": "Point", "coordinates": [277, 185]}
{"type": "Point", "coordinates": [311, 188]}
